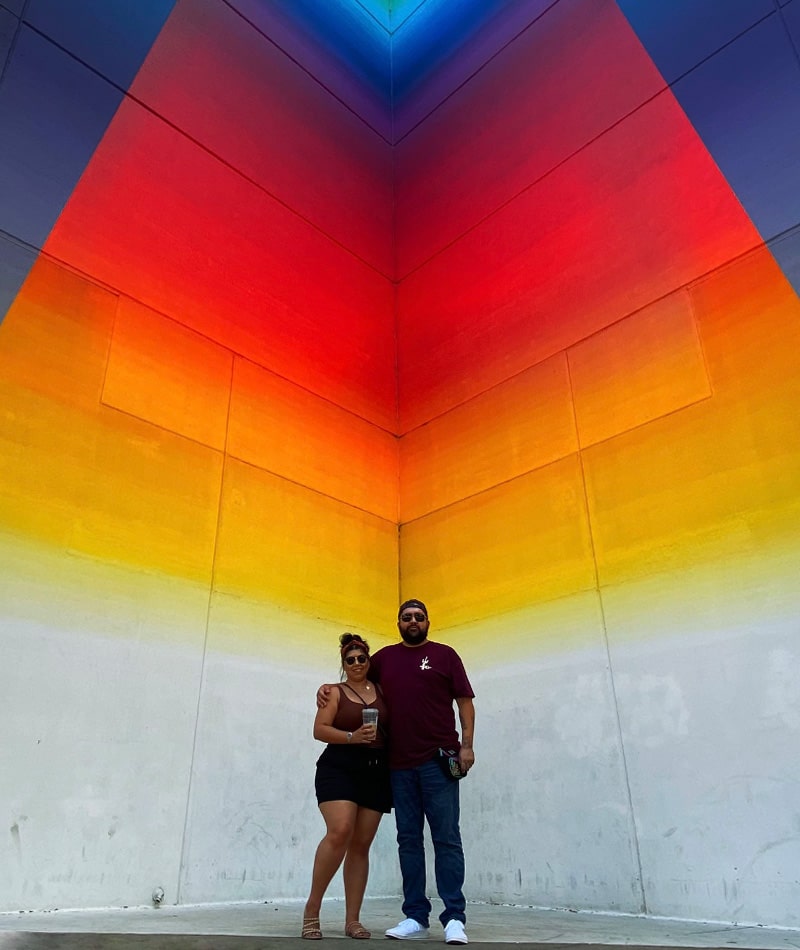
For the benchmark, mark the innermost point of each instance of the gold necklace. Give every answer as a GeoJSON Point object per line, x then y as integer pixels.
{"type": "Point", "coordinates": [358, 692]}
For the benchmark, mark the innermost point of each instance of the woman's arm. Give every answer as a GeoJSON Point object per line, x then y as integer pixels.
{"type": "Point", "coordinates": [325, 731]}
{"type": "Point", "coordinates": [323, 721]}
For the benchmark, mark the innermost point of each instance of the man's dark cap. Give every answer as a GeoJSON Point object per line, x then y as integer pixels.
{"type": "Point", "coordinates": [412, 603]}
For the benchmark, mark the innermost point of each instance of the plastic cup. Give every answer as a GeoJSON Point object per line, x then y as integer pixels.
{"type": "Point", "coordinates": [370, 717]}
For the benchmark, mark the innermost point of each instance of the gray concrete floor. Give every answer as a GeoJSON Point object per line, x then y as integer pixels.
{"type": "Point", "coordinates": [250, 926]}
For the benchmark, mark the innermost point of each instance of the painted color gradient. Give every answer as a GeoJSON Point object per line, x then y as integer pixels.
{"type": "Point", "coordinates": [307, 307]}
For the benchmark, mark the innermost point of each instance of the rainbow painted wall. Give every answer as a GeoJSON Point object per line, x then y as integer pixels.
{"type": "Point", "coordinates": [307, 307]}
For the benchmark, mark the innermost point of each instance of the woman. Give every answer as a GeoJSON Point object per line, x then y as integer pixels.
{"type": "Point", "coordinates": [352, 785]}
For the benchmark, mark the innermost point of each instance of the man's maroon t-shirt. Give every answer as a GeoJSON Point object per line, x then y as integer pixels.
{"type": "Point", "coordinates": [420, 684]}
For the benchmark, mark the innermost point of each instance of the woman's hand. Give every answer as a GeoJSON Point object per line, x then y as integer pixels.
{"type": "Point", "coordinates": [364, 735]}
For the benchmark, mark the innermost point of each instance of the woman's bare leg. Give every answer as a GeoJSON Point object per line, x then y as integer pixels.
{"type": "Point", "coordinates": [356, 862]}
{"type": "Point", "coordinates": [340, 820]}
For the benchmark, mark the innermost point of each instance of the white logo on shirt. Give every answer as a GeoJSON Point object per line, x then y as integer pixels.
{"type": "Point", "coordinates": [425, 665]}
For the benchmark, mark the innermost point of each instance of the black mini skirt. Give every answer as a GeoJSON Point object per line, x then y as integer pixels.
{"type": "Point", "coordinates": [354, 774]}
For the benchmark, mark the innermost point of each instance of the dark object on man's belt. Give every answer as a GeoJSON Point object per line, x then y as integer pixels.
{"type": "Point", "coordinates": [448, 759]}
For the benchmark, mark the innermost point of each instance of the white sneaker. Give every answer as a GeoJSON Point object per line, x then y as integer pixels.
{"type": "Point", "coordinates": [454, 932]}
{"type": "Point", "coordinates": [407, 929]}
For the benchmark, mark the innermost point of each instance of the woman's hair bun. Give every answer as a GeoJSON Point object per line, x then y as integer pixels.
{"type": "Point", "coordinates": [347, 638]}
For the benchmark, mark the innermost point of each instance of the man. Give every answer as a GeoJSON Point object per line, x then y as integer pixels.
{"type": "Point", "coordinates": [420, 680]}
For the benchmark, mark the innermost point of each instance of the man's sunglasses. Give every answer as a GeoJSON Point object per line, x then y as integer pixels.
{"type": "Point", "coordinates": [361, 659]}
{"type": "Point", "coordinates": [407, 618]}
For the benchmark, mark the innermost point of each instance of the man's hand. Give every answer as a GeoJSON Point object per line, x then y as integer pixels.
{"type": "Point", "coordinates": [466, 713]}
{"type": "Point", "coordinates": [466, 759]}
{"type": "Point", "coordinates": [323, 694]}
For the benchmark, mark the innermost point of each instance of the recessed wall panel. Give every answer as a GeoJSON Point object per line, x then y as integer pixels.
{"type": "Point", "coordinates": [81, 476]}
{"type": "Point", "coordinates": [290, 432]}
{"type": "Point", "coordinates": [173, 227]}
{"type": "Point", "coordinates": [595, 240]}
{"type": "Point", "coordinates": [520, 425]}
{"type": "Point", "coordinates": [645, 366]}
{"type": "Point", "coordinates": [720, 478]}
{"type": "Point", "coordinates": [168, 375]}
{"type": "Point", "coordinates": [522, 542]}
{"type": "Point", "coordinates": [108, 485]}
{"type": "Point", "coordinates": [282, 543]}
{"type": "Point", "coordinates": [55, 339]}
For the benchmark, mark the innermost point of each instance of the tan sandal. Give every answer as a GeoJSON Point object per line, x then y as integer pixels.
{"type": "Point", "coordinates": [357, 931]}
{"type": "Point", "coordinates": [311, 929]}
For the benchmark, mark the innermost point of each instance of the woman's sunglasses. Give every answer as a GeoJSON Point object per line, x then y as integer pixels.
{"type": "Point", "coordinates": [361, 659]}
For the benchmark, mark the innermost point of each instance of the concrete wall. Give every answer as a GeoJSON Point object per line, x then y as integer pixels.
{"type": "Point", "coordinates": [570, 251]}
{"type": "Point", "coordinates": [600, 476]}
{"type": "Point", "coordinates": [197, 459]}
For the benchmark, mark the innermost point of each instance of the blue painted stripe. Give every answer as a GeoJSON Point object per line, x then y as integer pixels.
{"type": "Point", "coordinates": [54, 110]}
{"type": "Point", "coordinates": [15, 264]}
{"type": "Point", "coordinates": [741, 94]}
{"type": "Point", "coordinates": [111, 36]}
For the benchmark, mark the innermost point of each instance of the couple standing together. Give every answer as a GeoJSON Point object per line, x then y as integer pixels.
{"type": "Point", "coordinates": [413, 685]}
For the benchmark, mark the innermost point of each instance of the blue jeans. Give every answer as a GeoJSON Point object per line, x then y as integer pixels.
{"type": "Point", "coordinates": [419, 793]}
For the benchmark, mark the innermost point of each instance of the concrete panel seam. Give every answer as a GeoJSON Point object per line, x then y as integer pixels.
{"type": "Point", "coordinates": [612, 685]}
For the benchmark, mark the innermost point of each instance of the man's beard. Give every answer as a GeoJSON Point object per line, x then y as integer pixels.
{"type": "Point", "coordinates": [414, 637]}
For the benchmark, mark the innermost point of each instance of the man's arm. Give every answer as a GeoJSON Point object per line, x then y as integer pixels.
{"type": "Point", "coordinates": [466, 713]}
{"type": "Point", "coordinates": [323, 695]}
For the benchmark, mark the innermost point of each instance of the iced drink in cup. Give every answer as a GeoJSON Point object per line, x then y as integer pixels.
{"type": "Point", "coordinates": [369, 717]}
